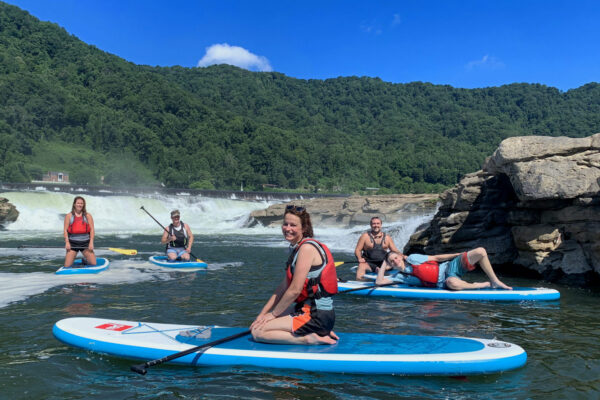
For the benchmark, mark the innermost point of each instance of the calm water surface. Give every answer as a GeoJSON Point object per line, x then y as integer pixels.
{"type": "Point", "coordinates": [561, 338]}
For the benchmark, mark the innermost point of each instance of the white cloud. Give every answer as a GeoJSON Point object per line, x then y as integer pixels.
{"type": "Point", "coordinates": [486, 61]}
{"type": "Point", "coordinates": [371, 27]}
{"type": "Point", "coordinates": [234, 55]}
{"type": "Point", "coordinates": [397, 20]}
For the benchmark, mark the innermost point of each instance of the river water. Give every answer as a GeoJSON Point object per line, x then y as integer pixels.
{"type": "Point", "coordinates": [245, 264]}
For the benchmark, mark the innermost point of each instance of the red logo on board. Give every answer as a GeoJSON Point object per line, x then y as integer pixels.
{"type": "Point", "coordinates": [114, 327]}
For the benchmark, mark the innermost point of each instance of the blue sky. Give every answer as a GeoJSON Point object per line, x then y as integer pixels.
{"type": "Point", "coordinates": [460, 43]}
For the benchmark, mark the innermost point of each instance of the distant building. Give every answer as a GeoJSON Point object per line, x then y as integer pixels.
{"type": "Point", "coordinates": [58, 177]}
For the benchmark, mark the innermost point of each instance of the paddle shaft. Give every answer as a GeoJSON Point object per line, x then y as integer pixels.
{"type": "Point", "coordinates": [117, 250]}
{"type": "Point", "coordinates": [142, 368]}
{"type": "Point", "coordinates": [166, 230]}
{"type": "Point", "coordinates": [367, 287]}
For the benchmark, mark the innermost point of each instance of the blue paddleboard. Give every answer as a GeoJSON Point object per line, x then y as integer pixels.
{"type": "Point", "coordinates": [79, 268]}
{"type": "Point", "coordinates": [162, 261]}
{"type": "Point", "coordinates": [362, 353]}
{"type": "Point", "coordinates": [418, 292]}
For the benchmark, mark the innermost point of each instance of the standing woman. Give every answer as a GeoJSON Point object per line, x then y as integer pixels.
{"type": "Point", "coordinates": [79, 233]}
{"type": "Point", "coordinates": [301, 309]}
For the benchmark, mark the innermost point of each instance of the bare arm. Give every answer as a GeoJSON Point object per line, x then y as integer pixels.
{"type": "Point", "coordinates": [166, 238]}
{"type": "Point", "coordinates": [65, 233]}
{"type": "Point", "coordinates": [271, 302]}
{"type": "Point", "coordinates": [92, 230]}
{"type": "Point", "coordinates": [359, 248]}
{"type": "Point", "coordinates": [381, 279]}
{"type": "Point", "coordinates": [307, 256]}
{"type": "Point", "coordinates": [391, 245]}
{"type": "Point", "coordinates": [190, 238]}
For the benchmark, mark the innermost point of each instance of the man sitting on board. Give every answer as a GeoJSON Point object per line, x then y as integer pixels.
{"type": "Point", "coordinates": [178, 239]}
{"type": "Point", "coordinates": [371, 249]}
{"type": "Point", "coordinates": [442, 270]}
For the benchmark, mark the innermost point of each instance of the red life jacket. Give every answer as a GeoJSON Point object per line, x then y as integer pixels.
{"type": "Point", "coordinates": [427, 272]}
{"type": "Point", "coordinates": [321, 280]}
{"type": "Point", "coordinates": [79, 225]}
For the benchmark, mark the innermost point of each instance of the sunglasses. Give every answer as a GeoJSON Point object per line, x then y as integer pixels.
{"type": "Point", "coordinates": [294, 208]}
{"type": "Point", "coordinates": [175, 217]}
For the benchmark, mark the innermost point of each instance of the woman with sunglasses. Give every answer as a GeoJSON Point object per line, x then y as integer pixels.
{"type": "Point", "coordinates": [300, 311]}
{"type": "Point", "coordinates": [178, 239]}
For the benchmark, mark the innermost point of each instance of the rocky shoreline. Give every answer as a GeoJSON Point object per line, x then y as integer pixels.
{"type": "Point", "coordinates": [353, 210]}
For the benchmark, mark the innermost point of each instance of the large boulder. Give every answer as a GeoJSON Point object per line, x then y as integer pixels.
{"type": "Point", "coordinates": [8, 212]}
{"type": "Point", "coordinates": [535, 204]}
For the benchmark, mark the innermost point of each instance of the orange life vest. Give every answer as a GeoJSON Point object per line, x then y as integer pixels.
{"type": "Point", "coordinates": [79, 225]}
{"type": "Point", "coordinates": [427, 272]}
{"type": "Point", "coordinates": [321, 280]}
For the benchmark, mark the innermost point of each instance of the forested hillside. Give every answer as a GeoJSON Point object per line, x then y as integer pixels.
{"type": "Point", "coordinates": [69, 106]}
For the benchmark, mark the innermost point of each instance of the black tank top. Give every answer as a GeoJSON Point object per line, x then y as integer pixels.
{"type": "Point", "coordinates": [377, 253]}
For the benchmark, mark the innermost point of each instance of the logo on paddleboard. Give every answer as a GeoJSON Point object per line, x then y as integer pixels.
{"type": "Point", "coordinates": [114, 327]}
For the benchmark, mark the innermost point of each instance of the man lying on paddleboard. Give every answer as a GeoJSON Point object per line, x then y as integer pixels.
{"type": "Point", "coordinates": [442, 270]}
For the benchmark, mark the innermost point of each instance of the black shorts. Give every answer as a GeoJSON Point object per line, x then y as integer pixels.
{"type": "Point", "coordinates": [306, 321]}
{"type": "Point", "coordinates": [374, 264]}
{"type": "Point", "coordinates": [79, 246]}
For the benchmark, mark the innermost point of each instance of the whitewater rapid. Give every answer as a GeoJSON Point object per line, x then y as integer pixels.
{"type": "Point", "coordinates": [41, 216]}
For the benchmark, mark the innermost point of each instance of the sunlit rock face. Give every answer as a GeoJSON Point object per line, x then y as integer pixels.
{"type": "Point", "coordinates": [535, 204]}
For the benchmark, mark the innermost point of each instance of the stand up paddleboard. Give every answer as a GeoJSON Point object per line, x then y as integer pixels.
{"type": "Point", "coordinates": [79, 268]}
{"type": "Point", "coordinates": [162, 261]}
{"type": "Point", "coordinates": [354, 353]}
{"type": "Point", "coordinates": [417, 292]}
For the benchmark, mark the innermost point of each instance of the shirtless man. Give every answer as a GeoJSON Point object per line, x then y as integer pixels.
{"type": "Point", "coordinates": [371, 249]}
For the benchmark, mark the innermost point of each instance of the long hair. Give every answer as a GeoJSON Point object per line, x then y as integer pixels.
{"type": "Point", "coordinates": [83, 211]}
{"type": "Point", "coordinates": [300, 212]}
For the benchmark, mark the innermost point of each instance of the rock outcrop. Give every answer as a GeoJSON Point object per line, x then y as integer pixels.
{"type": "Point", "coordinates": [535, 204]}
{"type": "Point", "coordinates": [354, 210]}
{"type": "Point", "coordinates": [8, 212]}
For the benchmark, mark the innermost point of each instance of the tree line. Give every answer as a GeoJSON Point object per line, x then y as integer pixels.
{"type": "Point", "coordinates": [66, 105]}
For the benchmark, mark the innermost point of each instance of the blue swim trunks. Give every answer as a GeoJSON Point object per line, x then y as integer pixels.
{"type": "Point", "coordinates": [179, 251]}
{"type": "Point", "coordinates": [458, 266]}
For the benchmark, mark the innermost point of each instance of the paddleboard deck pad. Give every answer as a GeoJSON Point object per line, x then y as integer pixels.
{"type": "Point", "coordinates": [162, 261]}
{"type": "Point", "coordinates": [417, 292]}
{"type": "Point", "coordinates": [354, 352]}
{"type": "Point", "coordinates": [79, 268]}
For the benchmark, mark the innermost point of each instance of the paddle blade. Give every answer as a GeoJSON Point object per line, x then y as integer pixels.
{"type": "Point", "coordinates": [338, 263]}
{"type": "Point", "coordinates": [127, 252]}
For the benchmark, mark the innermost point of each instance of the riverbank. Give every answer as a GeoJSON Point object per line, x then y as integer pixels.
{"type": "Point", "coordinates": [353, 210]}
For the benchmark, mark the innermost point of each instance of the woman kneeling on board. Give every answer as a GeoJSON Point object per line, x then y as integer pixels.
{"type": "Point", "coordinates": [79, 233]}
{"type": "Point", "coordinates": [310, 282]}
{"type": "Point", "coordinates": [442, 270]}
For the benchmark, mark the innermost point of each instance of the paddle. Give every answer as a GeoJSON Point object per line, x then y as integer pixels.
{"type": "Point", "coordinates": [368, 287]}
{"type": "Point", "coordinates": [127, 252]}
{"type": "Point", "coordinates": [338, 263]}
{"type": "Point", "coordinates": [142, 368]}
{"type": "Point", "coordinates": [161, 225]}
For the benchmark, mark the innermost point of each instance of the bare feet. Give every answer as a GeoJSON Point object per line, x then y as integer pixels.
{"type": "Point", "coordinates": [481, 285]}
{"type": "Point", "coordinates": [313, 338]}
